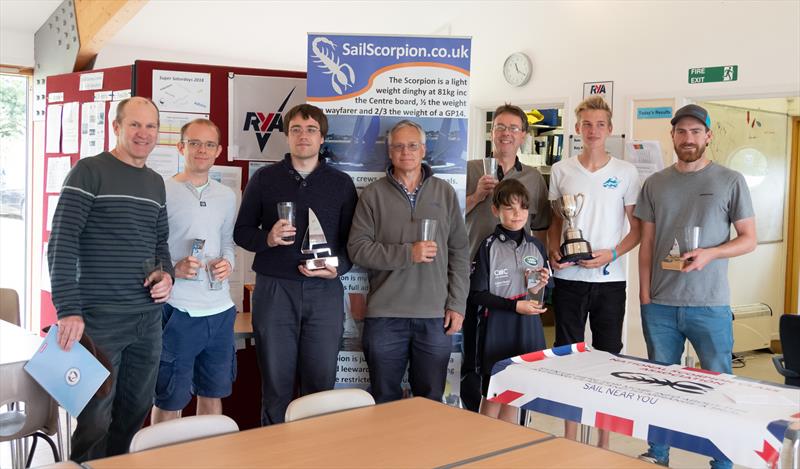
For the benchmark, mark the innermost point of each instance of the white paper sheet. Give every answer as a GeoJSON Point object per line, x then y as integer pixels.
{"type": "Point", "coordinates": [69, 128]}
{"type": "Point", "coordinates": [112, 114]}
{"type": "Point", "coordinates": [53, 129]}
{"type": "Point", "coordinates": [254, 166]}
{"type": "Point", "coordinates": [57, 169]}
{"type": "Point", "coordinates": [45, 278]}
{"type": "Point", "coordinates": [182, 91]}
{"type": "Point", "coordinates": [169, 130]}
{"type": "Point", "coordinates": [52, 202]}
{"type": "Point", "coordinates": [646, 156]}
{"type": "Point", "coordinates": [91, 81]}
{"type": "Point", "coordinates": [106, 95]}
{"type": "Point", "coordinates": [230, 176]}
{"type": "Point", "coordinates": [171, 122]}
{"type": "Point", "coordinates": [164, 160]}
{"type": "Point", "coordinates": [93, 128]}
{"type": "Point", "coordinates": [119, 95]}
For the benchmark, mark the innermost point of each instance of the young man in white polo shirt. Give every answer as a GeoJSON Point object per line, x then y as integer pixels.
{"type": "Point", "coordinates": [594, 288]}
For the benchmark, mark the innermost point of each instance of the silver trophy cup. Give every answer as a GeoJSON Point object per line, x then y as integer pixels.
{"type": "Point", "coordinates": [574, 248]}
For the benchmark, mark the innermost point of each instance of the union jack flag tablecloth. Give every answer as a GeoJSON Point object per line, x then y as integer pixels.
{"type": "Point", "coordinates": [719, 415]}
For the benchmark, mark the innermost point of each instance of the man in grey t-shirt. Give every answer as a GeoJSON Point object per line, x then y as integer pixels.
{"type": "Point", "coordinates": [691, 303]}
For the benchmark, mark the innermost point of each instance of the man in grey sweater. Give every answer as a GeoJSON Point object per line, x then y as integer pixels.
{"type": "Point", "coordinates": [417, 289]}
{"type": "Point", "coordinates": [198, 351]}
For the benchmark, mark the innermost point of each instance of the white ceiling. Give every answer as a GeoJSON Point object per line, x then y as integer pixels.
{"type": "Point", "coordinates": [25, 16]}
{"type": "Point", "coordinates": [259, 28]}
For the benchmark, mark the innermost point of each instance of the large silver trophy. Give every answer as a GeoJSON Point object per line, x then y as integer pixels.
{"type": "Point", "coordinates": [315, 243]}
{"type": "Point", "coordinates": [574, 248]}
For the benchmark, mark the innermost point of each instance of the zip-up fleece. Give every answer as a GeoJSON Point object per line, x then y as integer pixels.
{"type": "Point", "coordinates": [384, 228]}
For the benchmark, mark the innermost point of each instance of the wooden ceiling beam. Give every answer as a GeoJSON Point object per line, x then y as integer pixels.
{"type": "Point", "coordinates": [98, 21]}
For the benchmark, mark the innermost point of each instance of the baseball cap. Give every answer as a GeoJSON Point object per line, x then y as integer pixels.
{"type": "Point", "coordinates": [692, 110]}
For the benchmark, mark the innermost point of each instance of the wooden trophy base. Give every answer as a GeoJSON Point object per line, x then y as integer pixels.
{"type": "Point", "coordinates": [673, 263]}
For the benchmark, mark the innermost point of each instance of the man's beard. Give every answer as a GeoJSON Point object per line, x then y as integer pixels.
{"type": "Point", "coordinates": [690, 154]}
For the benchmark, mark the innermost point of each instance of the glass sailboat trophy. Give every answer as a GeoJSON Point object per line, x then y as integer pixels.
{"type": "Point", "coordinates": [314, 243]}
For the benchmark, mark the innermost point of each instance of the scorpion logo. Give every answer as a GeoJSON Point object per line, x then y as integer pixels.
{"type": "Point", "coordinates": [342, 75]}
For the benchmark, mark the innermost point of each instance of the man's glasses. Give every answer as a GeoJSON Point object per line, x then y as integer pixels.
{"type": "Point", "coordinates": [297, 131]}
{"type": "Point", "coordinates": [196, 144]}
{"type": "Point", "coordinates": [401, 147]}
{"type": "Point", "coordinates": [502, 128]}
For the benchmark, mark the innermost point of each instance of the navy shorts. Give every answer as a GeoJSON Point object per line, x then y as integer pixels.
{"type": "Point", "coordinates": [198, 356]}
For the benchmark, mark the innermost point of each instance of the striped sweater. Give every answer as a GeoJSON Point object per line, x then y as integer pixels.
{"type": "Point", "coordinates": [111, 217]}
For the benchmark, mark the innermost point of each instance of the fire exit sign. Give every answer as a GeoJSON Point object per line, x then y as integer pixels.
{"type": "Point", "coordinates": [713, 74]}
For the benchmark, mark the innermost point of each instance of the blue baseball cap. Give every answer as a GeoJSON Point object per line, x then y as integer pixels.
{"type": "Point", "coordinates": [692, 110]}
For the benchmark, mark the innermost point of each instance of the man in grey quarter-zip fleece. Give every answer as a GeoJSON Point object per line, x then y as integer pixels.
{"type": "Point", "coordinates": [417, 289]}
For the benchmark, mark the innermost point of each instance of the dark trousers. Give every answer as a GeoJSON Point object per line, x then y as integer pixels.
{"type": "Point", "coordinates": [298, 327]}
{"type": "Point", "coordinates": [132, 344]}
{"type": "Point", "coordinates": [391, 344]}
{"type": "Point", "coordinates": [602, 302]}
{"type": "Point", "coordinates": [470, 378]}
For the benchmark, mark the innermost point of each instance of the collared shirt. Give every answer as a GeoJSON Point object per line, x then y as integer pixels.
{"type": "Point", "coordinates": [517, 167]}
{"type": "Point", "coordinates": [412, 195]}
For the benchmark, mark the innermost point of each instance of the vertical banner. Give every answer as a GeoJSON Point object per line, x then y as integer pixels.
{"type": "Point", "coordinates": [365, 85]}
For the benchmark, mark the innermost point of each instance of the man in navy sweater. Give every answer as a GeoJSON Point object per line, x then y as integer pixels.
{"type": "Point", "coordinates": [298, 313]}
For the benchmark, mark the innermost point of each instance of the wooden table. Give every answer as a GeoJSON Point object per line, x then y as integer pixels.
{"type": "Point", "coordinates": [243, 326]}
{"type": "Point", "coordinates": [17, 344]}
{"type": "Point", "coordinates": [559, 452]}
{"type": "Point", "coordinates": [409, 433]}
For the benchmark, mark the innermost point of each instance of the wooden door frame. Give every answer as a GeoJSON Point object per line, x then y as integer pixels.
{"type": "Point", "coordinates": [790, 304]}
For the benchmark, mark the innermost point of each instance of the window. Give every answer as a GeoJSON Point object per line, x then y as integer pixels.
{"type": "Point", "coordinates": [13, 183]}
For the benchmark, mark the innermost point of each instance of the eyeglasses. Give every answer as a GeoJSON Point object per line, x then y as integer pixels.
{"type": "Point", "coordinates": [297, 130]}
{"type": "Point", "coordinates": [196, 144]}
{"type": "Point", "coordinates": [502, 128]}
{"type": "Point", "coordinates": [401, 147]}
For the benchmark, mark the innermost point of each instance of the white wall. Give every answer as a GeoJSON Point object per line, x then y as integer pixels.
{"type": "Point", "coordinates": [645, 47]}
{"type": "Point", "coordinates": [16, 48]}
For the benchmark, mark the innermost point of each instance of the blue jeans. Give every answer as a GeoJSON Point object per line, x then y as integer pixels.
{"type": "Point", "coordinates": [709, 330]}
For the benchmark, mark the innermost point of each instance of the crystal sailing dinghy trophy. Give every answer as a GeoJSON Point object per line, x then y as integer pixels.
{"type": "Point", "coordinates": [314, 243]}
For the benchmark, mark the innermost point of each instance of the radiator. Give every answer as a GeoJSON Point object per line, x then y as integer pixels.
{"type": "Point", "coordinates": [752, 327]}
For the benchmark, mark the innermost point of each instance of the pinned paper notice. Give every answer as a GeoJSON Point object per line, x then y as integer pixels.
{"type": "Point", "coordinates": [57, 169]}
{"type": "Point", "coordinates": [119, 95]}
{"type": "Point", "coordinates": [103, 95]}
{"type": "Point", "coordinates": [69, 128]}
{"type": "Point", "coordinates": [53, 129]}
{"type": "Point", "coordinates": [91, 81]}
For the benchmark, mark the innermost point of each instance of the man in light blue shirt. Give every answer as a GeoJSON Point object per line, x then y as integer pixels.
{"type": "Point", "coordinates": [198, 354]}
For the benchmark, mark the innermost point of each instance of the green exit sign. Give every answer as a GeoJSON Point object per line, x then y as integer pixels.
{"type": "Point", "coordinates": [713, 74]}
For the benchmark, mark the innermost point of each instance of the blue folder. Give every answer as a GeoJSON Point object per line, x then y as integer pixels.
{"type": "Point", "coordinates": [71, 378]}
